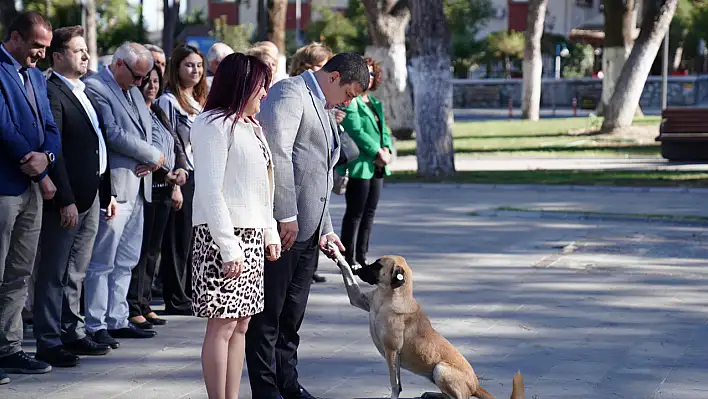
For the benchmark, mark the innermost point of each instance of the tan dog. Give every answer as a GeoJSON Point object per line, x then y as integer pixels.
{"type": "Point", "coordinates": [404, 336]}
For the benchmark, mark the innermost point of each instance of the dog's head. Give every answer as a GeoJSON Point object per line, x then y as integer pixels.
{"type": "Point", "coordinates": [389, 271]}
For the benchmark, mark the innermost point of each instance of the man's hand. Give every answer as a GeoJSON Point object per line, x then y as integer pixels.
{"type": "Point", "coordinates": [177, 199]}
{"type": "Point", "coordinates": [112, 209]}
{"type": "Point", "coordinates": [288, 234]}
{"type": "Point", "coordinates": [34, 163]}
{"type": "Point", "coordinates": [339, 115]}
{"type": "Point", "coordinates": [47, 187]}
{"type": "Point", "coordinates": [180, 177]}
{"type": "Point", "coordinates": [160, 162]}
{"type": "Point", "coordinates": [144, 170]}
{"type": "Point", "coordinates": [273, 252]}
{"type": "Point", "coordinates": [331, 237]}
{"type": "Point", "coordinates": [69, 216]}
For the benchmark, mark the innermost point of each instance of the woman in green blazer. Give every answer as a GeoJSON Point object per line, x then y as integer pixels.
{"type": "Point", "coordinates": [366, 125]}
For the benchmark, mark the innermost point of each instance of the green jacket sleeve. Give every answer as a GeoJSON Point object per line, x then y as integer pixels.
{"type": "Point", "coordinates": [353, 126]}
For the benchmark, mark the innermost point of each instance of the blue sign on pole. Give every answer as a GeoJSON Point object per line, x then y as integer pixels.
{"type": "Point", "coordinates": [201, 42]}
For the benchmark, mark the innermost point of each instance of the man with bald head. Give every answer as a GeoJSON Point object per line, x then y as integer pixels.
{"type": "Point", "coordinates": [116, 251]}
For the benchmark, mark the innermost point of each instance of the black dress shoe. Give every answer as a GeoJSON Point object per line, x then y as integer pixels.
{"type": "Point", "coordinates": [156, 321]}
{"type": "Point", "coordinates": [87, 347]}
{"type": "Point", "coordinates": [57, 357]}
{"type": "Point", "coordinates": [302, 394]}
{"type": "Point", "coordinates": [102, 337]}
{"type": "Point", "coordinates": [318, 279]}
{"type": "Point", "coordinates": [131, 332]}
{"type": "Point", "coordinates": [145, 325]}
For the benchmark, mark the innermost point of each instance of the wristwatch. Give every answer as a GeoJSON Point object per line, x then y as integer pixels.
{"type": "Point", "coordinates": [50, 157]}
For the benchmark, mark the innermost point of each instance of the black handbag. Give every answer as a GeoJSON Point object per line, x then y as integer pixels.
{"type": "Point", "coordinates": [348, 151]}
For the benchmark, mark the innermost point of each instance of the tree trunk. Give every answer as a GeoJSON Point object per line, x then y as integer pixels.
{"type": "Point", "coordinates": [655, 24]}
{"type": "Point", "coordinates": [387, 21]}
{"type": "Point", "coordinates": [171, 17]}
{"type": "Point", "coordinates": [533, 63]}
{"type": "Point", "coordinates": [141, 21]}
{"type": "Point", "coordinates": [432, 89]}
{"type": "Point", "coordinates": [620, 22]}
{"type": "Point", "coordinates": [8, 12]}
{"type": "Point", "coordinates": [91, 42]}
{"type": "Point", "coordinates": [276, 26]}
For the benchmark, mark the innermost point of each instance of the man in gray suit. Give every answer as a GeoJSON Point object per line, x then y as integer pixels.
{"type": "Point", "coordinates": [305, 145]}
{"type": "Point", "coordinates": [116, 251]}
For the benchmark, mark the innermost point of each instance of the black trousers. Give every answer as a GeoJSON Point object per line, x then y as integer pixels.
{"type": "Point", "coordinates": [156, 215]}
{"type": "Point", "coordinates": [272, 338]}
{"type": "Point", "coordinates": [362, 197]}
{"type": "Point", "coordinates": [176, 262]}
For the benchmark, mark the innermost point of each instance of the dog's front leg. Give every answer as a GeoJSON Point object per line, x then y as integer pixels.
{"type": "Point", "coordinates": [356, 297]}
{"type": "Point", "coordinates": [393, 359]}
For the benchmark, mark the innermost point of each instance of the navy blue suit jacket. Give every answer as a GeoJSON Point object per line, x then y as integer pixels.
{"type": "Point", "coordinates": [19, 131]}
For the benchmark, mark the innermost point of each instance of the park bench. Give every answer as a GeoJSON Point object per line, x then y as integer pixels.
{"type": "Point", "coordinates": [589, 97]}
{"type": "Point", "coordinates": [684, 134]}
{"type": "Point", "coordinates": [483, 96]}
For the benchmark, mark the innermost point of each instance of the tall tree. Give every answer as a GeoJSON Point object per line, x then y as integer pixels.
{"type": "Point", "coordinates": [620, 24]}
{"type": "Point", "coordinates": [277, 15]}
{"type": "Point", "coordinates": [171, 17]}
{"type": "Point", "coordinates": [91, 34]}
{"type": "Point", "coordinates": [533, 63]}
{"type": "Point", "coordinates": [656, 18]}
{"type": "Point", "coordinates": [432, 88]}
{"type": "Point", "coordinates": [388, 20]}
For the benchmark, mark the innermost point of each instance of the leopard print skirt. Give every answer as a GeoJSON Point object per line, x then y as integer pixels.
{"type": "Point", "coordinates": [217, 297]}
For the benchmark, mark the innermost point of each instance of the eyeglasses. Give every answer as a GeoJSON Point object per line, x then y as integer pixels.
{"type": "Point", "coordinates": [135, 77]}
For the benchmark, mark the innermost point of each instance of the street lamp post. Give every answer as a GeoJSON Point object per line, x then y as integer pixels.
{"type": "Point", "coordinates": [298, 13]}
{"type": "Point", "coordinates": [561, 51]}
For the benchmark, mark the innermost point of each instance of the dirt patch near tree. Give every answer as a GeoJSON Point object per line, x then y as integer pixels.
{"type": "Point", "coordinates": [636, 134]}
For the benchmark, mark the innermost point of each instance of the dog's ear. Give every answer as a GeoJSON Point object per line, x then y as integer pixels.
{"type": "Point", "coordinates": [398, 277]}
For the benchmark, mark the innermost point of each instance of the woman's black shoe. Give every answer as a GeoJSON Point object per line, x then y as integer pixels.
{"type": "Point", "coordinates": [156, 321]}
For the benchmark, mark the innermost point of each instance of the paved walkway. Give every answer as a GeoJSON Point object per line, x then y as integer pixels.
{"type": "Point", "coordinates": [584, 308]}
{"type": "Point", "coordinates": [498, 163]}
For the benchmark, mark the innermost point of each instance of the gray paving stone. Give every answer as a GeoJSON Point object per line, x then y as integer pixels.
{"type": "Point", "coordinates": [623, 315]}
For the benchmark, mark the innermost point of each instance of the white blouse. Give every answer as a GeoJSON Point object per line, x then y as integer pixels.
{"type": "Point", "coordinates": [233, 185]}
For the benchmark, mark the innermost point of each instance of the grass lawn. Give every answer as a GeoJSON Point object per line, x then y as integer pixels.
{"type": "Point", "coordinates": [569, 177]}
{"type": "Point", "coordinates": [546, 137]}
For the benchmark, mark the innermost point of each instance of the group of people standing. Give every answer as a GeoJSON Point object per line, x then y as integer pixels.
{"type": "Point", "coordinates": [226, 181]}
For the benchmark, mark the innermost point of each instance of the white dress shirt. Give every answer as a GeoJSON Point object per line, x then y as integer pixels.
{"type": "Point", "coordinates": [77, 88]}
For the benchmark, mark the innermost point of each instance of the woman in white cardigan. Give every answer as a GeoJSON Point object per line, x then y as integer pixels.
{"type": "Point", "coordinates": [234, 229]}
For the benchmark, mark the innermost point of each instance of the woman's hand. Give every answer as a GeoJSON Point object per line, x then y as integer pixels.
{"type": "Point", "coordinates": [339, 115]}
{"type": "Point", "coordinates": [232, 269]}
{"type": "Point", "coordinates": [273, 252]}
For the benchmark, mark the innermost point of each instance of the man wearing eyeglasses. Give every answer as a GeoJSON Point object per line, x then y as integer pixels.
{"type": "Point", "coordinates": [116, 251]}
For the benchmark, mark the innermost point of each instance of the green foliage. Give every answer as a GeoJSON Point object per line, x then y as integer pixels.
{"type": "Point", "coordinates": [342, 32]}
{"type": "Point", "coordinates": [236, 36]}
{"type": "Point", "coordinates": [117, 23]}
{"type": "Point", "coordinates": [465, 19]}
{"type": "Point", "coordinates": [507, 44]}
{"type": "Point", "coordinates": [580, 61]}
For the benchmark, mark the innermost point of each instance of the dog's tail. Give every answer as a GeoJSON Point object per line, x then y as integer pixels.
{"type": "Point", "coordinates": [517, 391]}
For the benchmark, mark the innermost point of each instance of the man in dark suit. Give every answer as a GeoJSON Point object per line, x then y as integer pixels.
{"type": "Point", "coordinates": [70, 220]}
{"type": "Point", "coordinates": [29, 140]}
{"type": "Point", "coordinates": [305, 144]}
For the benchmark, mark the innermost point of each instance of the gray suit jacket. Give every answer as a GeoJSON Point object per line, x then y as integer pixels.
{"type": "Point", "coordinates": [299, 134]}
{"type": "Point", "coordinates": [129, 135]}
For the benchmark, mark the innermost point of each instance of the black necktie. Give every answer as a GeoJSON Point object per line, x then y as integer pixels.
{"type": "Point", "coordinates": [33, 102]}
{"type": "Point", "coordinates": [29, 89]}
